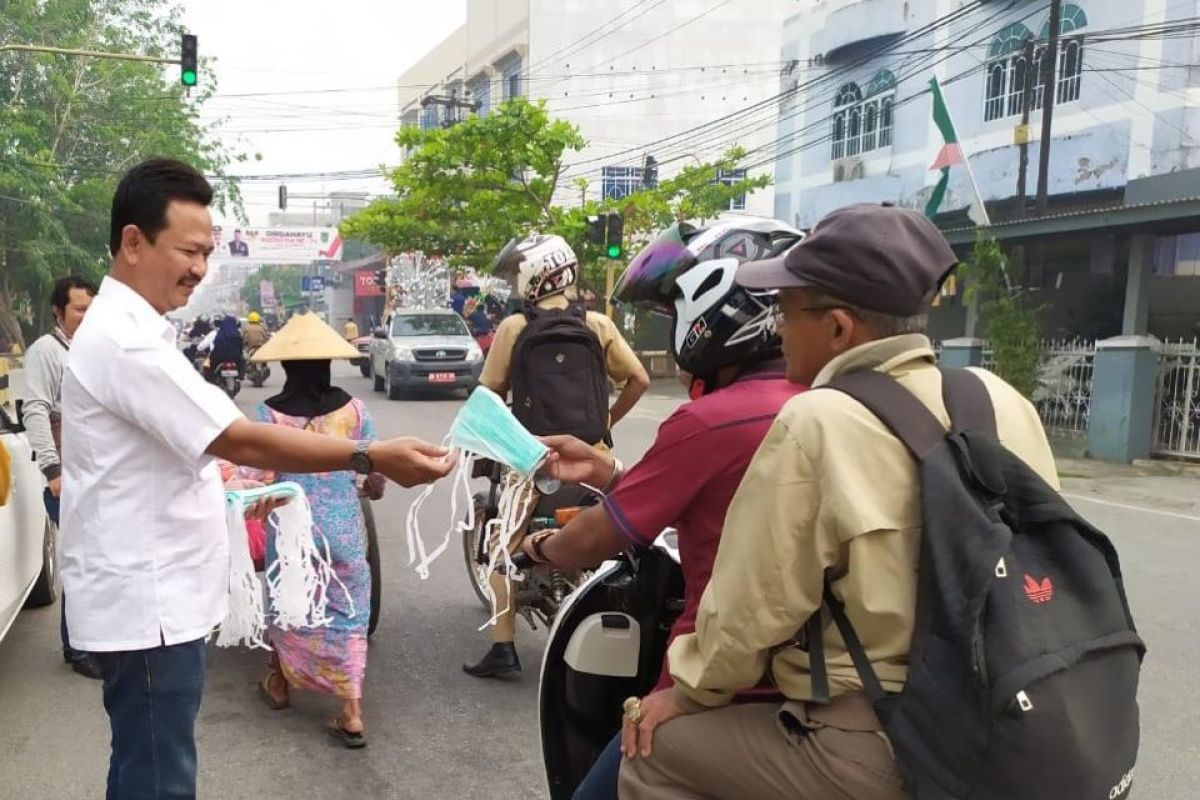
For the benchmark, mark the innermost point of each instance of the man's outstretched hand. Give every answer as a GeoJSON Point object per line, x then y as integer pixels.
{"type": "Point", "coordinates": [574, 461]}
{"type": "Point", "coordinates": [410, 461]}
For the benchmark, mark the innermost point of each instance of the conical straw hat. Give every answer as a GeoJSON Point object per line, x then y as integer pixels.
{"type": "Point", "coordinates": [304, 337]}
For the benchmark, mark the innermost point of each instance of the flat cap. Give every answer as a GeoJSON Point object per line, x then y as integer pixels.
{"type": "Point", "coordinates": [877, 257]}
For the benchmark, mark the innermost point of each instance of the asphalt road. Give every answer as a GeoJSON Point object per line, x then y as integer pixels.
{"type": "Point", "coordinates": [436, 733]}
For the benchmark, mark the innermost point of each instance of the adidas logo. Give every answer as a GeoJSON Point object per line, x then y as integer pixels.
{"type": "Point", "coordinates": [1042, 592]}
{"type": "Point", "coordinates": [1122, 787]}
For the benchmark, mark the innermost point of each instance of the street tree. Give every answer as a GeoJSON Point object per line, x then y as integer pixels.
{"type": "Point", "coordinates": [70, 125]}
{"type": "Point", "coordinates": [467, 189]}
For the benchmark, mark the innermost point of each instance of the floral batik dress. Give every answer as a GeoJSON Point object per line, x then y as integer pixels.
{"type": "Point", "coordinates": [333, 659]}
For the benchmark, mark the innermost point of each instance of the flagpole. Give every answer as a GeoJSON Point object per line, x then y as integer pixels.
{"type": "Point", "coordinates": [966, 160]}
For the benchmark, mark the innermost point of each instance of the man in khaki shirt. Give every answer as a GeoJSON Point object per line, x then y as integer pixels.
{"type": "Point", "coordinates": [546, 270]}
{"type": "Point", "coordinates": [830, 489]}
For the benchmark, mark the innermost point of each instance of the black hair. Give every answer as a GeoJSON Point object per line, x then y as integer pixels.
{"type": "Point", "coordinates": [61, 294]}
{"type": "Point", "coordinates": [145, 191]}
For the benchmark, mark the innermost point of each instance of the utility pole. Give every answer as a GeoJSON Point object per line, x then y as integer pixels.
{"type": "Point", "coordinates": [1049, 86]}
{"type": "Point", "coordinates": [452, 103]}
{"type": "Point", "coordinates": [1022, 133]}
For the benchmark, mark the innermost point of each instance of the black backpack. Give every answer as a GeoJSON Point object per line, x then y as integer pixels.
{"type": "Point", "coordinates": [1024, 662]}
{"type": "Point", "coordinates": [558, 379]}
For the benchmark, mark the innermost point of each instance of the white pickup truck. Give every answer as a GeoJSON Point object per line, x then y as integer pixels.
{"type": "Point", "coordinates": [28, 557]}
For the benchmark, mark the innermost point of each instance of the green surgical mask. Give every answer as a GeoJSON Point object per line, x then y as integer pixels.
{"type": "Point", "coordinates": [484, 426]}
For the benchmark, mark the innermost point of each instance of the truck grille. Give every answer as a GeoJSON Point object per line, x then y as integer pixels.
{"type": "Point", "coordinates": [441, 354]}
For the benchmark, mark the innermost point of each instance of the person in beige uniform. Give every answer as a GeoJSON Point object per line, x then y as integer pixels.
{"type": "Point", "coordinates": [830, 489]}
{"type": "Point", "coordinates": [546, 272]}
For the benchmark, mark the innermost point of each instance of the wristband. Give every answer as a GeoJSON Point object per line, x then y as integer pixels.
{"type": "Point", "coordinates": [535, 544]}
{"type": "Point", "coordinates": [618, 472]}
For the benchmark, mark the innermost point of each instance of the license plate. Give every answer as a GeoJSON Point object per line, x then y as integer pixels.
{"type": "Point", "coordinates": [441, 377]}
{"type": "Point", "coordinates": [229, 373]}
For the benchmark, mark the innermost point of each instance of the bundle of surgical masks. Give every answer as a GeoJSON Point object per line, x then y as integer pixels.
{"type": "Point", "coordinates": [484, 428]}
{"type": "Point", "coordinates": [297, 581]}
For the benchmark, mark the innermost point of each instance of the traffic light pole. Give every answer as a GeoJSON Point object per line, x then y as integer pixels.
{"type": "Point", "coordinates": [66, 51]}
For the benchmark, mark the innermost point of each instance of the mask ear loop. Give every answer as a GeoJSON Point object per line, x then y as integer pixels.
{"type": "Point", "coordinates": [299, 579]}
{"type": "Point", "coordinates": [515, 502]}
{"type": "Point", "coordinates": [245, 621]}
{"type": "Point", "coordinates": [417, 552]}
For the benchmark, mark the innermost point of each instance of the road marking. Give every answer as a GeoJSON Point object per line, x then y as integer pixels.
{"type": "Point", "coordinates": [1127, 507]}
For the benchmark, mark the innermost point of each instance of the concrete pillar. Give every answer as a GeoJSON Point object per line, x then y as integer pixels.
{"type": "Point", "coordinates": [965, 352]}
{"type": "Point", "coordinates": [1137, 287]}
{"type": "Point", "coordinates": [1121, 421]}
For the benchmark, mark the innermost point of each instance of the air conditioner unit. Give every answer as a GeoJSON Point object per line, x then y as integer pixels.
{"type": "Point", "coordinates": [847, 169]}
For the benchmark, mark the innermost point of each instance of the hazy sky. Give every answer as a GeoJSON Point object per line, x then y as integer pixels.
{"type": "Point", "coordinates": [323, 78]}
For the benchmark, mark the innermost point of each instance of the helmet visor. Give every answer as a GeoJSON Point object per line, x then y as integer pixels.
{"type": "Point", "coordinates": [650, 279]}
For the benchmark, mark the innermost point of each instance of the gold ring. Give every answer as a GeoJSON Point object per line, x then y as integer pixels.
{"type": "Point", "coordinates": [632, 708]}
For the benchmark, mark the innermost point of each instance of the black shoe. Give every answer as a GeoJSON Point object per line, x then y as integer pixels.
{"type": "Point", "coordinates": [500, 661]}
{"type": "Point", "coordinates": [88, 667]}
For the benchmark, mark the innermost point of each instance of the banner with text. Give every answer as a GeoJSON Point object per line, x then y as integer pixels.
{"type": "Point", "coordinates": [278, 245]}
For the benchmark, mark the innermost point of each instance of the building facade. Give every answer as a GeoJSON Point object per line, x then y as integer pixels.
{"type": "Point", "coordinates": [856, 127]}
{"type": "Point", "coordinates": [636, 77]}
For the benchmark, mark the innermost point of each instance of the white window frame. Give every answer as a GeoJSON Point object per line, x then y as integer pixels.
{"type": "Point", "coordinates": [864, 122]}
{"type": "Point", "coordinates": [729, 177]}
{"type": "Point", "coordinates": [617, 183]}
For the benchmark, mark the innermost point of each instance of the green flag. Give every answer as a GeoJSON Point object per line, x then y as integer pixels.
{"type": "Point", "coordinates": [949, 155]}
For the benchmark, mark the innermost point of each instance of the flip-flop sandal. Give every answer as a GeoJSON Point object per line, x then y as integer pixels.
{"type": "Point", "coordinates": [273, 702]}
{"type": "Point", "coordinates": [348, 739]}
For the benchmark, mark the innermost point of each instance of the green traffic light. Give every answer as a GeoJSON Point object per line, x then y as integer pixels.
{"type": "Point", "coordinates": [614, 251]}
{"type": "Point", "coordinates": [188, 78]}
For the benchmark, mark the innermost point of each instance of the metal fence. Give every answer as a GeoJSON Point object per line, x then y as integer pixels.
{"type": "Point", "coordinates": [1177, 401]}
{"type": "Point", "coordinates": [1064, 393]}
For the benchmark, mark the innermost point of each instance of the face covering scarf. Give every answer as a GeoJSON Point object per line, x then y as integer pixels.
{"type": "Point", "coordinates": [484, 428]}
{"type": "Point", "coordinates": [297, 582]}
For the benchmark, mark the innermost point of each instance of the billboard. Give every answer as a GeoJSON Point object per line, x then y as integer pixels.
{"type": "Point", "coordinates": [365, 284]}
{"type": "Point", "coordinates": [266, 294]}
{"type": "Point", "coordinates": [277, 245]}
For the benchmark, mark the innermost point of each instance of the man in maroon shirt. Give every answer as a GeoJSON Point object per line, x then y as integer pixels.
{"type": "Point", "coordinates": [725, 343]}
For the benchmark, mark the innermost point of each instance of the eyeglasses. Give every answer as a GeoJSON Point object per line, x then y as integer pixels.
{"type": "Point", "coordinates": [777, 313]}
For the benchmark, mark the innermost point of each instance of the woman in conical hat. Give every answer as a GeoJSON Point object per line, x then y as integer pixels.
{"type": "Point", "coordinates": [331, 660]}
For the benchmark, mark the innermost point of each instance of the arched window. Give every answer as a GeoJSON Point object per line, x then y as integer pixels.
{"type": "Point", "coordinates": [1070, 52]}
{"type": "Point", "coordinates": [847, 100]}
{"type": "Point", "coordinates": [1006, 69]}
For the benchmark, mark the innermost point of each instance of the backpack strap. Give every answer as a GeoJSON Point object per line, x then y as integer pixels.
{"type": "Point", "coordinates": [968, 402]}
{"type": "Point", "coordinates": [896, 407]}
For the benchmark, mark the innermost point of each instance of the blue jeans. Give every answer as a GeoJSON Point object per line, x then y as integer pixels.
{"type": "Point", "coordinates": [601, 781]}
{"type": "Point", "coordinates": [152, 698]}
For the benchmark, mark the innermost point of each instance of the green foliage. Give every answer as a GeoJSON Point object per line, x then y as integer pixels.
{"type": "Point", "coordinates": [69, 126]}
{"type": "Point", "coordinates": [466, 190]}
{"type": "Point", "coordinates": [1011, 326]}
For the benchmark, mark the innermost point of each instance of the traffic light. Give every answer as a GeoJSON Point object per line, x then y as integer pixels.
{"type": "Point", "coordinates": [615, 228]}
{"type": "Point", "coordinates": [189, 71]}
{"type": "Point", "coordinates": [595, 230]}
{"type": "Point", "coordinates": [650, 173]}
{"type": "Point", "coordinates": [283, 197]}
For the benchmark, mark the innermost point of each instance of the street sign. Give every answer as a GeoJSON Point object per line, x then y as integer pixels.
{"type": "Point", "coordinates": [312, 283]}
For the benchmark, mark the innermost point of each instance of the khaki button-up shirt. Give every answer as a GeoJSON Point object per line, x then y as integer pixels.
{"type": "Point", "coordinates": [830, 487]}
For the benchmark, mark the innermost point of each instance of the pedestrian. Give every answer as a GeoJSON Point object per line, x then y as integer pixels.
{"type": "Point", "coordinates": [830, 492]}
{"type": "Point", "coordinates": [331, 660]}
{"type": "Point", "coordinates": [44, 363]}
{"type": "Point", "coordinates": [144, 547]}
{"type": "Point", "coordinates": [350, 330]}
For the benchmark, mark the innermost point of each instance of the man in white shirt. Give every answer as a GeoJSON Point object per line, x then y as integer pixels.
{"type": "Point", "coordinates": [44, 364]}
{"type": "Point", "coordinates": [144, 549]}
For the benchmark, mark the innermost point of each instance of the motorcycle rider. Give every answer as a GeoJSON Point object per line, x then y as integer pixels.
{"type": "Point", "coordinates": [254, 334]}
{"type": "Point", "coordinates": [724, 340]}
{"type": "Point", "coordinates": [227, 348]}
{"type": "Point", "coordinates": [200, 327]}
{"type": "Point", "coordinates": [546, 270]}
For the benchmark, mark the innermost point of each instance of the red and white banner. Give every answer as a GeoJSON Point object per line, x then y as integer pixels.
{"type": "Point", "coordinates": [281, 245]}
{"type": "Point", "coordinates": [365, 284]}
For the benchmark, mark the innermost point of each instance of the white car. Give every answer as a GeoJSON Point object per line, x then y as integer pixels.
{"type": "Point", "coordinates": [28, 560]}
{"type": "Point", "coordinates": [429, 349]}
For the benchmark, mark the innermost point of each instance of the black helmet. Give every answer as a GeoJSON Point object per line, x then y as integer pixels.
{"type": "Point", "coordinates": [688, 274]}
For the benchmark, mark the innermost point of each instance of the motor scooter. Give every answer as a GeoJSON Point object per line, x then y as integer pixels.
{"type": "Point", "coordinates": [607, 643]}
{"type": "Point", "coordinates": [257, 372]}
{"type": "Point", "coordinates": [228, 378]}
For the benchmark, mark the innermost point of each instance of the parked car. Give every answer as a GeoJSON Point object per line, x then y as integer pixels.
{"type": "Point", "coordinates": [28, 557]}
{"type": "Point", "coordinates": [429, 349]}
{"type": "Point", "coordinates": [363, 345]}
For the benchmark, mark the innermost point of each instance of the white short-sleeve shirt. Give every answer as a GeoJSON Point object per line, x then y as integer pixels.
{"type": "Point", "coordinates": [143, 545]}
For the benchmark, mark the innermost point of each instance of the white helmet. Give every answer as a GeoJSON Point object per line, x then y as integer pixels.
{"type": "Point", "coordinates": [543, 265]}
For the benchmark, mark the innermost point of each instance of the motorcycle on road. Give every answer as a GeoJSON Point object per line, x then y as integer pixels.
{"type": "Point", "coordinates": [229, 379]}
{"type": "Point", "coordinates": [256, 372]}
